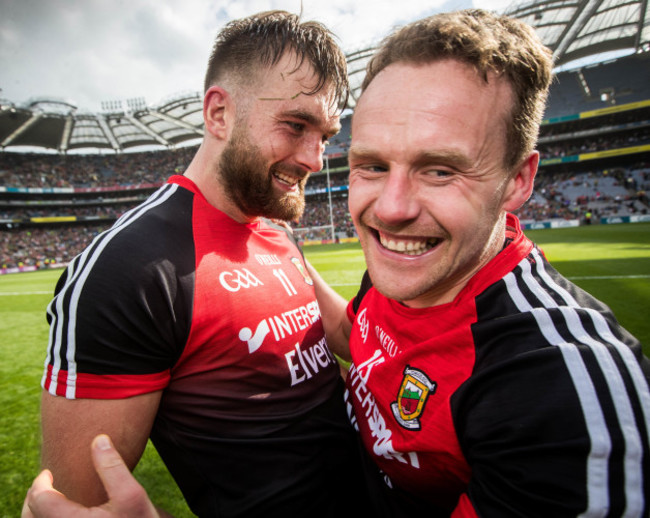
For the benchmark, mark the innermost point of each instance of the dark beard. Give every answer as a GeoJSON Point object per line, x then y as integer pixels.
{"type": "Point", "coordinates": [248, 182]}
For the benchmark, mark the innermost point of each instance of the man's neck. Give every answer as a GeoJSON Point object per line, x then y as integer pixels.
{"type": "Point", "coordinates": [203, 171]}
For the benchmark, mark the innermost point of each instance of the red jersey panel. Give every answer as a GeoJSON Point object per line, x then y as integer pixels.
{"type": "Point", "coordinates": [267, 346]}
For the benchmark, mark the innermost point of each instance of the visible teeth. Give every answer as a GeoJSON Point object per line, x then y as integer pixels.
{"type": "Point", "coordinates": [289, 180]}
{"type": "Point", "coordinates": [408, 247]}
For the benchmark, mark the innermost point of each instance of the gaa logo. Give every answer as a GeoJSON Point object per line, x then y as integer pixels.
{"type": "Point", "coordinates": [238, 279]}
{"type": "Point", "coordinates": [362, 320]}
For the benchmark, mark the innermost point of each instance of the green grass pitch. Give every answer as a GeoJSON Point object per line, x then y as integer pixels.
{"type": "Point", "coordinates": [611, 261]}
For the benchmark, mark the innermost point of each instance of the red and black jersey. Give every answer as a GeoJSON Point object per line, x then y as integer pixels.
{"type": "Point", "coordinates": [223, 318]}
{"type": "Point", "coordinates": [522, 397]}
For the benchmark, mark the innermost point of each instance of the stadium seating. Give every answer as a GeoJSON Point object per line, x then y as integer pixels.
{"type": "Point", "coordinates": [595, 160]}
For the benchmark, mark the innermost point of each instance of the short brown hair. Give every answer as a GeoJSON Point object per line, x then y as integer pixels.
{"type": "Point", "coordinates": [263, 38]}
{"type": "Point", "coordinates": [490, 43]}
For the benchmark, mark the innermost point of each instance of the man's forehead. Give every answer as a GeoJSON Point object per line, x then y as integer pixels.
{"type": "Point", "coordinates": [291, 69]}
{"type": "Point", "coordinates": [289, 88]}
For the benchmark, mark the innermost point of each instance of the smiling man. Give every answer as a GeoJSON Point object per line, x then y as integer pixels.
{"type": "Point", "coordinates": [482, 382]}
{"type": "Point", "coordinates": [429, 184]}
{"type": "Point", "coordinates": [192, 322]}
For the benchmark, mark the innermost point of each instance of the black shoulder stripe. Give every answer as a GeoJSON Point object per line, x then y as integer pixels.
{"type": "Point", "coordinates": [62, 309]}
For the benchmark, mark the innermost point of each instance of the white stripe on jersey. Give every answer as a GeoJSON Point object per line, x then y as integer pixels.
{"type": "Point", "coordinates": [78, 272]}
{"type": "Point", "coordinates": [600, 442]}
{"type": "Point", "coordinates": [617, 389]}
{"type": "Point", "coordinates": [597, 463]}
{"type": "Point", "coordinates": [603, 330]}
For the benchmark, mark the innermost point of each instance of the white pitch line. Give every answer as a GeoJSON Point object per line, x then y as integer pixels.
{"type": "Point", "coordinates": [26, 293]}
{"type": "Point", "coordinates": [610, 277]}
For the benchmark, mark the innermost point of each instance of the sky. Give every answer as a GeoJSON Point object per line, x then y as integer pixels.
{"type": "Point", "coordinates": [86, 52]}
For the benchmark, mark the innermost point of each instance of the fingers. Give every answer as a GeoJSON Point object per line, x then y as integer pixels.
{"type": "Point", "coordinates": [284, 224]}
{"type": "Point", "coordinates": [43, 501]}
{"type": "Point", "coordinates": [126, 496]}
{"type": "Point", "coordinates": [41, 483]}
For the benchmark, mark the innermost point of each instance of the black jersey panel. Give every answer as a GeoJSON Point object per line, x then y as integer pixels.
{"type": "Point", "coordinates": [303, 469]}
{"type": "Point", "coordinates": [366, 284]}
{"type": "Point", "coordinates": [552, 414]}
{"type": "Point", "coordinates": [126, 303]}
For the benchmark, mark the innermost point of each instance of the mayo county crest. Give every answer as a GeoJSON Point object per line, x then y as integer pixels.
{"type": "Point", "coordinates": [305, 275]}
{"type": "Point", "coordinates": [413, 393]}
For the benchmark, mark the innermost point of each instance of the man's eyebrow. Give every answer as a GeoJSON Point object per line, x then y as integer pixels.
{"type": "Point", "coordinates": [313, 120]}
{"type": "Point", "coordinates": [446, 157]}
{"type": "Point", "coordinates": [442, 157]}
{"type": "Point", "coordinates": [362, 152]}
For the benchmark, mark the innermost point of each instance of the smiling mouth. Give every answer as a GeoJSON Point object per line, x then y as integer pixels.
{"type": "Point", "coordinates": [287, 180]}
{"type": "Point", "coordinates": [408, 246]}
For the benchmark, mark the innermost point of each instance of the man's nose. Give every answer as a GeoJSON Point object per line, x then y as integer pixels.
{"type": "Point", "coordinates": [398, 201]}
{"type": "Point", "coordinates": [310, 153]}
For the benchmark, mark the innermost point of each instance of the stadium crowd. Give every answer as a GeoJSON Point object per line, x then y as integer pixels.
{"type": "Point", "coordinates": [41, 246]}
{"type": "Point", "coordinates": [92, 171]}
{"type": "Point", "coordinates": [587, 196]}
{"type": "Point", "coordinates": [564, 147]}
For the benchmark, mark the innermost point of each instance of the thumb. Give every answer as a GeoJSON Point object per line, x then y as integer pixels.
{"type": "Point", "coordinates": [126, 496]}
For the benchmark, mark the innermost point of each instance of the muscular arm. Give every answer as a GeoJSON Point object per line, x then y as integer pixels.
{"type": "Point", "coordinates": [69, 426]}
{"type": "Point", "coordinates": [333, 310]}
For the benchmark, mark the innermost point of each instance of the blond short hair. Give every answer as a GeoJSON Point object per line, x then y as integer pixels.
{"type": "Point", "coordinates": [490, 43]}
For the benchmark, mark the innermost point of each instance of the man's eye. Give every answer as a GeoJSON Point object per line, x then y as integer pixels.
{"type": "Point", "coordinates": [370, 168]}
{"type": "Point", "coordinates": [296, 126]}
{"type": "Point", "coordinates": [439, 173]}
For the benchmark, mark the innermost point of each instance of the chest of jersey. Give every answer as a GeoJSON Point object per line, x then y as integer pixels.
{"type": "Point", "coordinates": [256, 341]}
{"type": "Point", "coordinates": [406, 366]}
{"type": "Point", "coordinates": [266, 305]}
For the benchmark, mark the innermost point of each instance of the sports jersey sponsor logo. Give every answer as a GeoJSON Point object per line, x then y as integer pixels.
{"type": "Point", "coordinates": [280, 326]}
{"type": "Point", "coordinates": [254, 340]}
{"type": "Point", "coordinates": [368, 411]}
{"type": "Point", "coordinates": [267, 259]}
{"type": "Point", "coordinates": [305, 275]}
{"type": "Point", "coordinates": [413, 394]}
{"type": "Point", "coordinates": [238, 279]}
{"type": "Point", "coordinates": [387, 343]}
{"type": "Point", "coordinates": [362, 320]}
{"type": "Point", "coordinates": [303, 365]}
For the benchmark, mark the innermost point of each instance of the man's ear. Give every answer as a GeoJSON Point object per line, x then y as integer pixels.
{"type": "Point", "coordinates": [520, 186]}
{"type": "Point", "coordinates": [218, 112]}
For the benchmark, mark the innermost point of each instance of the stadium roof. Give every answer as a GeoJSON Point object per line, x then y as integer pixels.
{"type": "Point", "coordinates": [573, 29]}
{"type": "Point", "coordinates": [58, 125]}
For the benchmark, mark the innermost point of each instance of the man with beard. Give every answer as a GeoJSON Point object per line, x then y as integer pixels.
{"type": "Point", "coordinates": [482, 382]}
{"type": "Point", "coordinates": [193, 321]}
